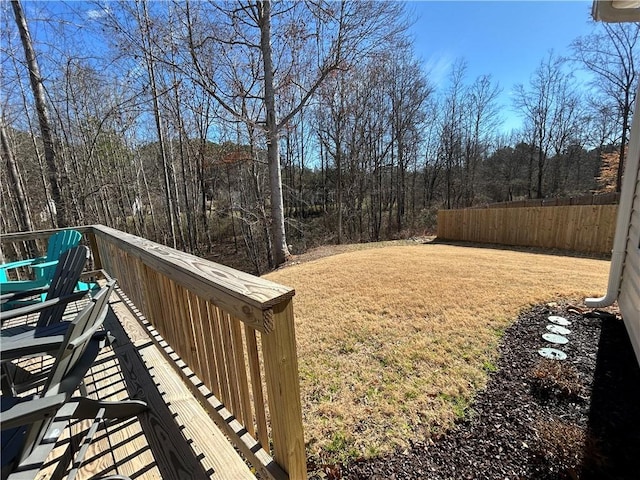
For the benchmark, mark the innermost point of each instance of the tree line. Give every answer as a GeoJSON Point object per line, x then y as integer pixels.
{"type": "Point", "coordinates": [270, 127]}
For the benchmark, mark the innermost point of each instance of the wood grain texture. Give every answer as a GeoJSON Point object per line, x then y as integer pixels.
{"type": "Point", "coordinates": [208, 352]}
{"type": "Point", "coordinates": [217, 454]}
{"type": "Point", "coordinates": [579, 228]}
{"type": "Point", "coordinates": [191, 444]}
{"type": "Point", "coordinates": [232, 370]}
{"type": "Point", "coordinates": [117, 444]}
{"type": "Point", "coordinates": [216, 333]}
{"type": "Point", "coordinates": [173, 456]}
{"type": "Point", "coordinates": [242, 378]}
{"type": "Point", "coordinates": [201, 352]}
{"type": "Point", "coordinates": [256, 386]}
{"type": "Point", "coordinates": [283, 388]}
{"type": "Point", "coordinates": [244, 442]}
{"type": "Point", "coordinates": [208, 316]}
{"type": "Point", "coordinates": [242, 295]}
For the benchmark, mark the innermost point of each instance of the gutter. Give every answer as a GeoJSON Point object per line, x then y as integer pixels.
{"type": "Point", "coordinates": [616, 10]}
{"type": "Point", "coordinates": [625, 209]}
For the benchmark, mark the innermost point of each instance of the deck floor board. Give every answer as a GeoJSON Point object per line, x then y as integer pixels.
{"type": "Point", "coordinates": [174, 439]}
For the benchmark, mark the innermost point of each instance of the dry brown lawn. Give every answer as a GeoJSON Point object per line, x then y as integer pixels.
{"type": "Point", "coordinates": [393, 342]}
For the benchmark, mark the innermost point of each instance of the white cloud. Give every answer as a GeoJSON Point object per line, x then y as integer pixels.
{"type": "Point", "coordinates": [438, 67]}
{"type": "Point", "coordinates": [97, 13]}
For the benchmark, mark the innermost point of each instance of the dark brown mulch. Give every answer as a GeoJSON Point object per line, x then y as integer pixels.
{"type": "Point", "coordinates": [579, 418]}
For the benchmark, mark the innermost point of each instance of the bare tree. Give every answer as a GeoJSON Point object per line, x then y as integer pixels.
{"type": "Point", "coordinates": [408, 91]}
{"type": "Point", "coordinates": [333, 34]}
{"type": "Point", "coordinates": [543, 105]}
{"type": "Point", "coordinates": [147, 44]}
{"type": "Point", "coordinates": [451, 131]}
{"type": "Point", "coordinates": [612, 56]}
{"type": "Point", "coordinates": [24, 216]}
{"type": "Point", "coordinates": [39, 95]}
{"type": "Point", "coordinates": [480, 120]}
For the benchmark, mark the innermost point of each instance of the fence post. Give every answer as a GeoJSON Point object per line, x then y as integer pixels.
{"type": "Point", "coordinates": [283, 387]}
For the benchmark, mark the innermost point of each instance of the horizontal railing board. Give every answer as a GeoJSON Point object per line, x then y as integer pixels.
{"type": "Point", "coordinates": [257, 291]}
{"type": "Point", "coordinates": [245, 296]}
{"type": "Point", "coordinates": [36, 234]}
{"type": "Point", "coordinates": [152, 293]}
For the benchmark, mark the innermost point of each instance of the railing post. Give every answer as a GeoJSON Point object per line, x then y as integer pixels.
{"type": "Point", "coordinates": [97, 261]}
{"type": "Point", "coordinates": [283, 387]}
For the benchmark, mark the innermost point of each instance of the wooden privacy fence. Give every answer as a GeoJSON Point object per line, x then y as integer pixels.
{"type": "Point", "coordinates": [233, 330]}
{"type": "Point", "coordinates": [579, 228]}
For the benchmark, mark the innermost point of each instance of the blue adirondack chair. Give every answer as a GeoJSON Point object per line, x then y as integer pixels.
{"type": "Point", "coordinates": [42, 267]}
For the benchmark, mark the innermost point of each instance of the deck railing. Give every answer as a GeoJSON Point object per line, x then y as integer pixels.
{"type": "Point", "coordinates": [233, 330]}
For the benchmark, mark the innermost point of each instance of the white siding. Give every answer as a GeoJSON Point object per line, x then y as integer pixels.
{"type": "Point", "coordinates": [629, 297]}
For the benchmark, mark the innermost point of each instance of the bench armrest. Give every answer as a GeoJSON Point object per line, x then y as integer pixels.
{"type": "Point", "coordinates": [24, 413]}
{"type": "Point", "coordinates": [21, 263]}
{"type": "Point", "coordinates": [38, 307]}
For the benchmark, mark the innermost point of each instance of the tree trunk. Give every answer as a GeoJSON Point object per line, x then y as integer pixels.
{"type": "Point", "coordinates": [16, 182]}
{"type": "Point", "coordinates": [166, 173]}
{"type": "Point", "coordinates": [182, 135]}
{"type": "Point", "coordinates": [278, 234]}
{"type": "Point", "coordinates": [339, 192]}
{"type": "Point", "coordinates": [541, 162]}
{"type": "Point", "coordinates": [43, 113]}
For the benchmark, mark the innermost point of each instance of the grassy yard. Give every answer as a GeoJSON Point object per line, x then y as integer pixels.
{"type": "Point", "coordinates": [393, 342]}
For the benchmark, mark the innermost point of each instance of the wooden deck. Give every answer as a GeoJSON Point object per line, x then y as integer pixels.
{"type": "Point", "coordinates": [230, 337]}
{"type": "Point", "coordinates": [174, 439]}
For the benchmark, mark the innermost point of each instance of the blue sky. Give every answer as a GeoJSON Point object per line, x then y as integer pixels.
{"type": "Point", "coordinates": [504, 39]}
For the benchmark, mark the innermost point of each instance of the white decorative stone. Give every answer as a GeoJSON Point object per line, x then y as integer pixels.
{"type": "Point", "coordinates": [553, 338]}
{"type": "Point", "coordinates": [552, 353]}
{"type": "Point", "coordinates": [563, 322]}
{"type": "Point", "coordinates": [557, 329]}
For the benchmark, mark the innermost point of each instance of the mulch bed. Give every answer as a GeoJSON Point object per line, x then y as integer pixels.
{"type": "Point", "coordinates": [537, 418]}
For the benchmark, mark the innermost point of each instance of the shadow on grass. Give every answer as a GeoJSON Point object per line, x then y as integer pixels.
{"type": "Point", "coordinates": [613, 449]}
{"type": "Point", "coordinates": [515, 248]}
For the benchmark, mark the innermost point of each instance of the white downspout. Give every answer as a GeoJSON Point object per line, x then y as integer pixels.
{"type": "Point", "coordinates": [623, 222]}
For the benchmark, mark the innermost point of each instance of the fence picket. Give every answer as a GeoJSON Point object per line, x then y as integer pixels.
{"type": "Point", "coordinates": [579, 228]}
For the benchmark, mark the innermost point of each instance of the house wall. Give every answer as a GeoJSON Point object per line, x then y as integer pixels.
{"type": "Point", "coordinates": [629, 297]}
